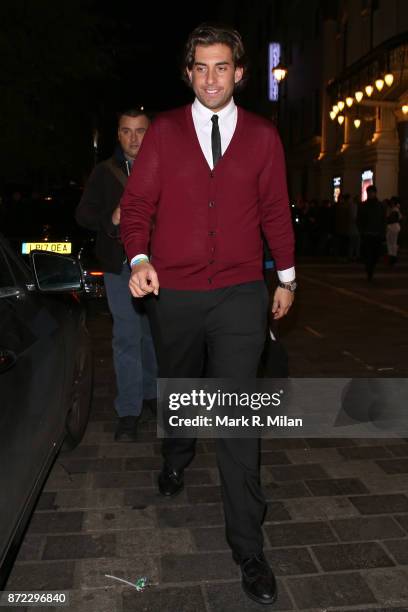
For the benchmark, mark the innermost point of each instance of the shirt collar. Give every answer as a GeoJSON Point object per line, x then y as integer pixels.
{"type": "Point", "coordinates": [204, 114]}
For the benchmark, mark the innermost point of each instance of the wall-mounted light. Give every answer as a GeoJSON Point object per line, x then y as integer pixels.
{"type": "Point", "coordinates": [369, 90]}
{"type": "Point", "coordinates": [359, 95]}
{"type": "Point", "coordinates": [279, 72]}
{"type": "Point", "coordinates": [340, 104]}
{"type": "Point", "coordinates": [379, 83]}
{"type": "Point", "coordinates": [335, 109]}
{"type": "Point", "coordinates": [340, 119]}
{"type": "Point", "coordinates": [404, 108]}
{"type": "Point", "coordinates": [357, 123]}
{"type": "Point", "coordinates": [349, 101]}
{"type": "Point", "coordinates": [332, 115]}
{"type": "Point", "coordinates": [389, 79]}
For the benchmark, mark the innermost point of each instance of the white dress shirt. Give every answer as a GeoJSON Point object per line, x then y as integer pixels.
{"type": "Point", "coordinates": [227, 121]}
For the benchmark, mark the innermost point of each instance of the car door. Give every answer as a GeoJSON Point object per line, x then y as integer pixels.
{"type": "Point", "coordinates": [31, 384]}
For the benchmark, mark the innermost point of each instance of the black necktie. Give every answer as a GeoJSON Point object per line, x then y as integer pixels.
{"type": "Point", "coordinates": [215, 140]}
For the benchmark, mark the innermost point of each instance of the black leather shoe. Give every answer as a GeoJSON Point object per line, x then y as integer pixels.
{"type": "Point", "coordinates": [126, 430]}
{"type": "Point", "coordinates": [170, 482]}
{"type": "Point", "coordinates": [258, 581]}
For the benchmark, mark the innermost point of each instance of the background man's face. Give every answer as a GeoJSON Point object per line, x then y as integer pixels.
{"type": "Point", "coordinates": [213, 76]}
{"type": "Point", "coordinates": [131, 131]}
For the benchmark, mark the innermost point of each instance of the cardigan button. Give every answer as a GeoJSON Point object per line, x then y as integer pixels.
{"type": "Point", "coordinates": [210, 281]}
{"type": "Point", "coordinates": [211, 233]}
{"type": "Point", "coordinates": [211, 204]}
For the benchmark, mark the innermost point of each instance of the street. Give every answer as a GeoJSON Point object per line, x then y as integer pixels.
{"type": "Point", "coordinates": [336, 531]}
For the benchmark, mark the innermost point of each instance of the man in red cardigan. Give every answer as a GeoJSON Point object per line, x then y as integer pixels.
{"type": "Point", "coordinates": [212, 176]}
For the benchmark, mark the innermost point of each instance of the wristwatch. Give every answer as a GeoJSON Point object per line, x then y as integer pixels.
{"type": "Point", "coordinates": [291, 286]}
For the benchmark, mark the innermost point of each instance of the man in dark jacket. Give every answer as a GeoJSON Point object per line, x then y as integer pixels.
{"type": "Point", "coordinates": [99, 210]}
{"type": "Point", "coordinates": [371, 223]}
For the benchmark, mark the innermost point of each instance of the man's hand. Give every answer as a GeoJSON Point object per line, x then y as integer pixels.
{"type": "Point", "coordinates": [282, 301]}
{"type": "Point", "coordinates": [116, 216]}
{"type": "Point", "coordinates": [143, 280]}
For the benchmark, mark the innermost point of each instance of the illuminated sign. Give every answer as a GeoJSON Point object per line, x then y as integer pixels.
{"type": "Point", "coordinates": [274, 58]}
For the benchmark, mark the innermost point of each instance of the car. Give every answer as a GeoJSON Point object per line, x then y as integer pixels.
{"type": "Point", "coordinates": [34, 221]}
{"type": "Point", "coordinates": [46, 377]}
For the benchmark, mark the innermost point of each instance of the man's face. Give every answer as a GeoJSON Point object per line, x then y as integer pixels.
{"type": "Point", "coordinates": [131, 131]}
{"type": "Point", "coordinates": [213, 75]}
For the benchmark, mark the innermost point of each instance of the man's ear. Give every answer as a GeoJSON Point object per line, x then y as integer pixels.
{"type": "Point", "coordinates": [239, 73]}
{"type": "Point", "coordinates": [189, 74]}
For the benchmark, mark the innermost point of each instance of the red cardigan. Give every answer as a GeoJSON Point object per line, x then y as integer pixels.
{"type": "Point", "coordinates": [207, 223]}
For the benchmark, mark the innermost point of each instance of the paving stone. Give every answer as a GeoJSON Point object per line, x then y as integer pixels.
{"type": "Point", "coordinates": [79, 546]}
{"type": "Point", "coordinates": [276, 512]}
{"type": "Point", "coordinates": [31, 548]}
{"type": "Point", "coordinates": [298, 472]}
{"type": "Point", "coordinates": [97, 437]}
{"type": "Point", "coordinates": [336, 486]}
{"type": "Point", "coordinates": [204, 494]}
{"type": "Point", "coordinates": [361, 555]}
{"type": "Point", "coordinates": [285, 490]}
{"type": "Point", "coordinates": [90, 573]}
{"type": "Point", "coordinates": [154, 541]}
{"type": "Point", "coordinates": [353, 469]}
{"type": "Point", "coordinates": [229, 597]}
{"type": "Point", "coordinates": [364, 452]}
{"type": "Point", "coordinates": [389, 586]}
{"type": "Point", "coordinates": [380, 504]}
{"type": "Point", "coordinates": [296, 534]}
{"type": "Point", "coordinates": [126, 449]}
{"type": "Point", "coordinates": [92, 600]}
{"type": "Point", "coordinates": [275, 444]}
{"type": "Point", "coordinates": [84, 466]}
{"type": "Point", "coordinates": [291, 561]}
{"type": "Point", "coordinates": [314, 455]}
{"type": "Point", "coordinates": [56, 522]}
{"type": "Point", "coordinates": [209, 538]}
{"type": "Point", "coordinates": [187, 599]}
{"type": "Point", "coordinates": [329, 442]}
{"type": "Point", "coordinates": [47, 501]}
{"type": "Point", "coordinates": [133, 464]}
{"type": "Point", "coordinates": [330, 590]}
{"type": "Point", "coordinates": [399, 550]}
{"type": "Point", "coordinates": [403, 521]}
{"type": "Point", "coordinates": [320, 508]}
{"type": "Point", "coordinates": [366, 528]}
{"type": "Point", "coordinates": [399, 450]}
{"type": "Point", "coordinates": [42, 576]}
{"type": "Point", "coordinates": [198, 477]}
{"type": "Point", "coordinates": [198, 567]}
{"type": "Point", "coordinates": [197, 515]}
{"type": "Point", "coordinates": [121, 480]}
{"type": "Point", "coordinates": [149, 496]}
{"type": "Point", "coordinates": [90, 498]}
{"type": "Point", "coordinates": [119, 519]}
{"type": "Point", "coordinates": [387, 484]}
{"type": "Point", "coordinates": [394, 466]}
{"type": "Point", "coordinates": [204, 460]}
{"type": "Point", "coordinates": [274, 458]}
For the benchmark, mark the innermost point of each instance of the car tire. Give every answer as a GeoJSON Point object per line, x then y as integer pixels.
{"type": "Point", "coordinates": [81, 394]}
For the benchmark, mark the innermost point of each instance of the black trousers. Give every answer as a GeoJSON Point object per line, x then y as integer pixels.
{"type": "Point", "coordinates": [217, 334]}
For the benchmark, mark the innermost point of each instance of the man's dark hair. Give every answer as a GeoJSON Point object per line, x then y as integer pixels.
{"type": "Point", "coordinates": [208, 34]}
{"type": "Point", "coordinates": [371, 189]}
{"type": "Point", "coordinates": [134, 112]}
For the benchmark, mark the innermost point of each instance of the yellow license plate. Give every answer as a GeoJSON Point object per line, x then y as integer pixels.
{"type": "Point", "coordinates": [54, 247]}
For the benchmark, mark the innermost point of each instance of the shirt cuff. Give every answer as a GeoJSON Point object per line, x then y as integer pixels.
{"type": "Point", "coordinates": [138, 258]}
{"type": "Point", "coordinates": [286, 276]}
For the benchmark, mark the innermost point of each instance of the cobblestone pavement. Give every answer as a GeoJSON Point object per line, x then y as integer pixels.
{"type": "Point", "coordinates": [336, 530]}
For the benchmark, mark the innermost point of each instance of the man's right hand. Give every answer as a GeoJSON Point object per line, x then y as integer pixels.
{"type": "Point", "coordinates": [116, 216]}
{"type": "Point", "coordinates": [143, 280]}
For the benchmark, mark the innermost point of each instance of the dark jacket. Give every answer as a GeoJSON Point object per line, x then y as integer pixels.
{"type": "Point", "coordinates": [371, 218]}
{"type": "Point", "coordinates": [100, 198]}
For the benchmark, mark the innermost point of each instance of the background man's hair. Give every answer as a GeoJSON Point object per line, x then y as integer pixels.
{"type": "Point", "coordinates": [134, 112]}
{"type": "Point", "coordinates": [208, 34]}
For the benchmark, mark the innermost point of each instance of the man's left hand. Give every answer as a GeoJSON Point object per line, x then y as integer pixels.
{"type": "Point", "coordinates": [282, 301]}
